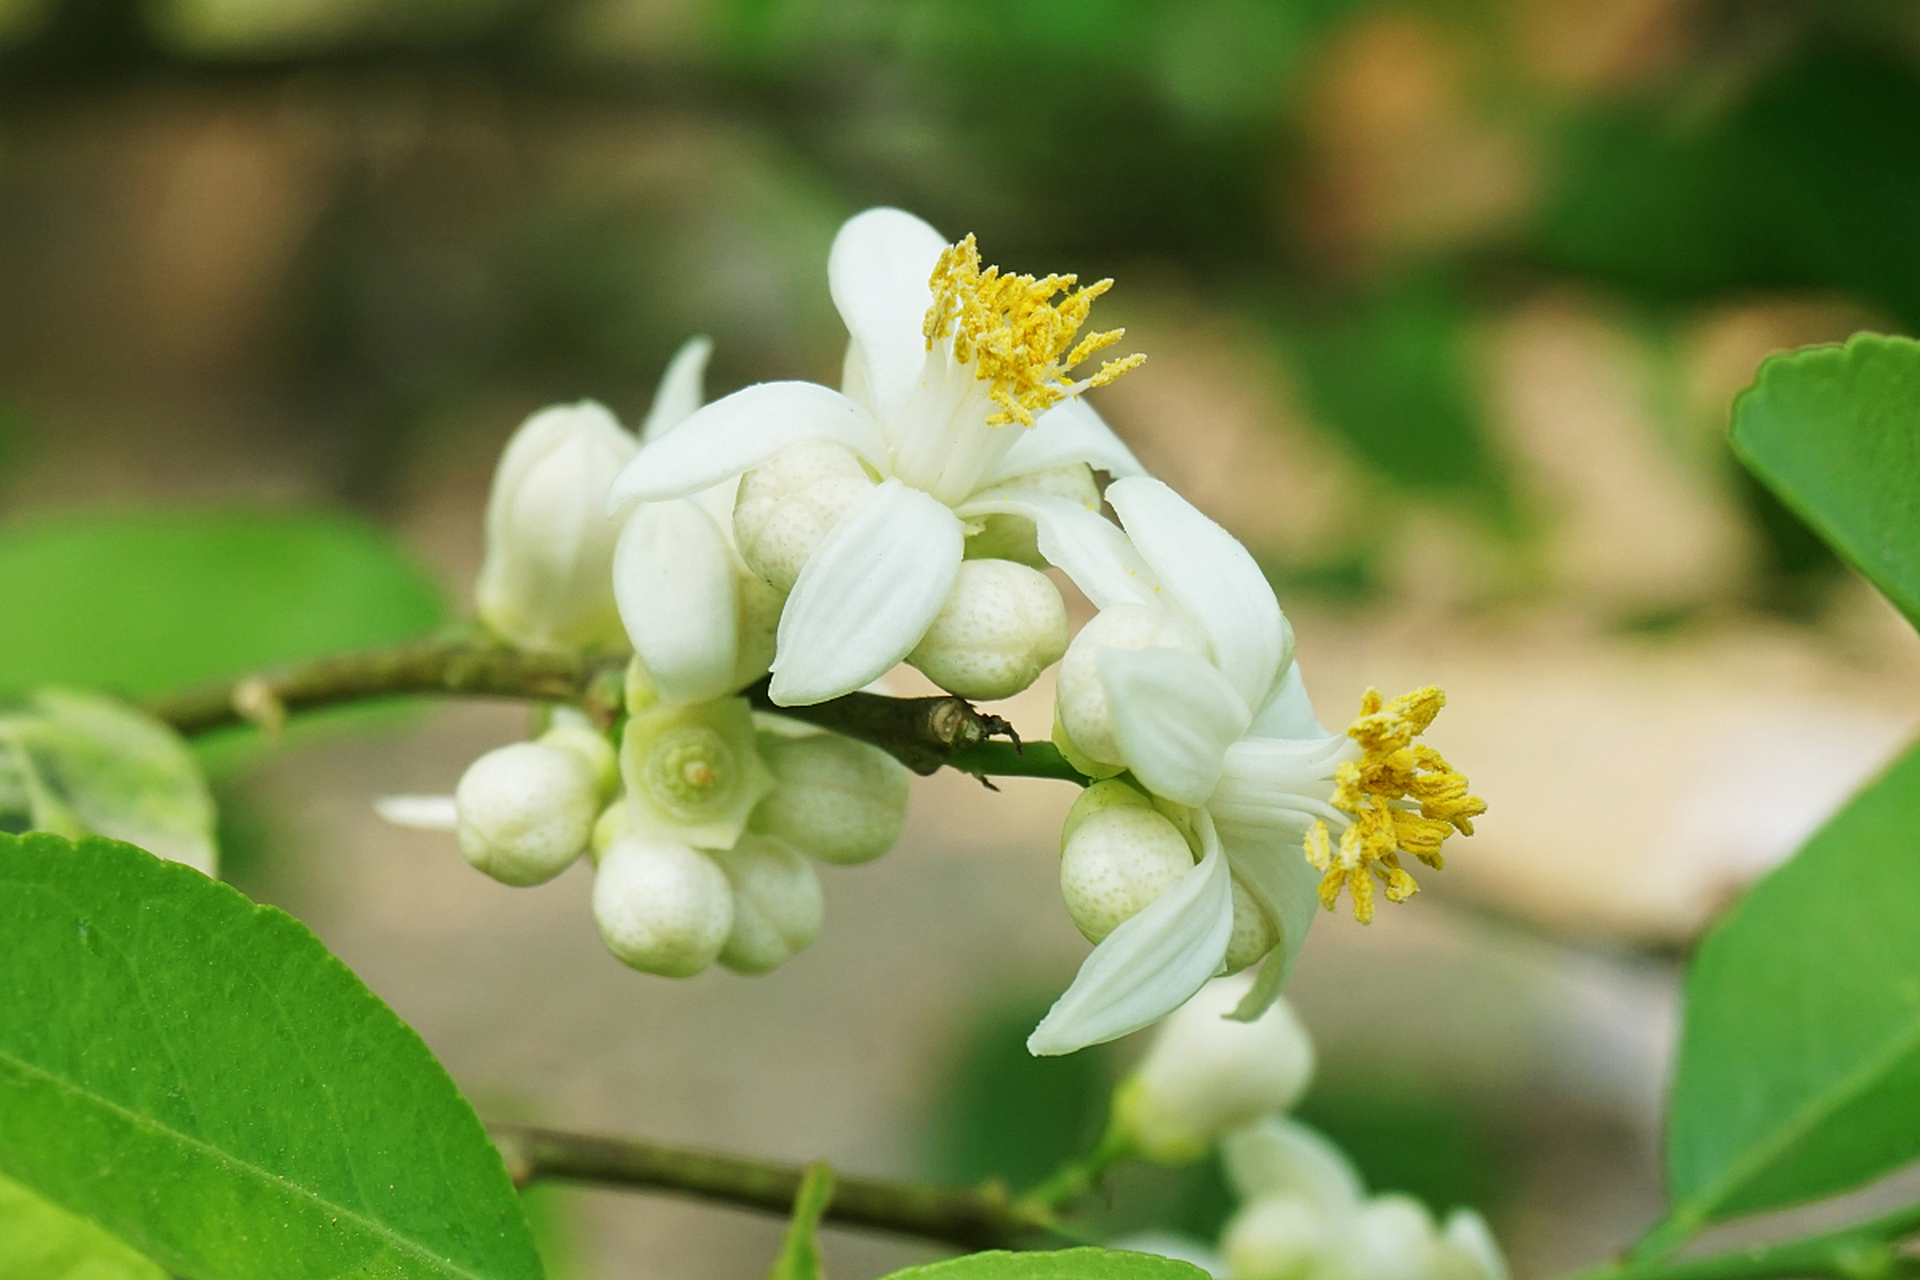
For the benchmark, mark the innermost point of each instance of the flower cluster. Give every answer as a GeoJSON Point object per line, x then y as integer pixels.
{"type": "Point", "coordinates": [1208, 1080]}
{"type": "Point", "coordinates": [819, 537]}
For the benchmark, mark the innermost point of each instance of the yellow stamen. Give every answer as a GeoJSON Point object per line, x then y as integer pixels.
{"type": "Point", "coordinates": [1015, 334]}
{"type": "Point", "coordinates": [1402, 798]}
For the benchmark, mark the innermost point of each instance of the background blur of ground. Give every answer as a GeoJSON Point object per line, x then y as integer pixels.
{"type": "Point", "coordinates": [1444, 306]}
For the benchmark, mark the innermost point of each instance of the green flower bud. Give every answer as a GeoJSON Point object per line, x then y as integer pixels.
{"type": "Point", "coordinates": [834, 799]}
{"type": "Point", "coordinates": [777, 904]}
{"type": "Point", "coordinates": [1080, 699]}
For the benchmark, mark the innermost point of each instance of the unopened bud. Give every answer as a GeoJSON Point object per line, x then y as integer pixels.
{"type": "Point", "coordinates": [662, 907]}
{"type": "Point", "coordinates": [1254, 932]}
{"type": "Point", "coordinates": [547, 581]}
{"type": "Point", "coordinates": [693, 773]}
{"type": "Point", "coordinates": [1081, 699]}
{"type": "Point", "coordinates": [572, 733]}
{"type": "Point", "coordinates": [777, 904]}
{"type": "Point", "coordinates": [1392, 1238]}
{"type": "Point", "coordinates": [1279, 1156]}
{"type": "Point", "coordinates": [1280, 1238]}
{"type": "Point", "coordinates": [788, 505]}
{"type": "Point", "coordinates": [834, 799]}
{"type": "Point", "coordinates": [1206, 1074]}
{"type": "Point", "coordinates": [525, 811]}
{"type": "Point", "coordinates": [1467, 1249]}
{"type": "Point", "coordinates": [1002, 624]}
{"type": "Point", "coordinates": [1117, 854]}
{"type": "Point", "coordinates": [1011, 537]}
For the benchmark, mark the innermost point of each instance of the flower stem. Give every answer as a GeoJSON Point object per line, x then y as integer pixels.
{"type": "Point", "coordinates": [1077, 1176]}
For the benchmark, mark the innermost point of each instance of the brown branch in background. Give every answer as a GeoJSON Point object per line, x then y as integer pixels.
{"type": "Point", "coordinates": [967, 1217]}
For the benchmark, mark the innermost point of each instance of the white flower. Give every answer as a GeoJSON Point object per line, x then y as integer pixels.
{"type": "Point", "coordinates": [958, 388]}
{"type": "Point", "coordinates": [524, 812]}
{"type": "Point", "coordinates": [547, 580]}
{"type": "Point", "coordinates": [1206, 1074]}
{"type": "Point", "coordinates": [1192, 688]}
{"type": "Point", "coordinates": [699, 619]}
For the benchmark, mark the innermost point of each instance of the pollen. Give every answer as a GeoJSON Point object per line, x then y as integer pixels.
{"type": "Point", "coordinates": [1015, 333]}
{"type": "Point", "coordinates": [1402, 798]}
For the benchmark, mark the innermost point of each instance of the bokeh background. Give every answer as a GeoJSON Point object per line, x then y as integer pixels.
{"type": "Point", "coordinates": [1445, 302]}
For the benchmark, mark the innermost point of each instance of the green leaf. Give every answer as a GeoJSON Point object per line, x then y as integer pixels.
{"type": "Point", "coordinates": [198, 1075]}
{"type": "Point", "coordinates": [1799, 1064]}
{"type": "Point", "coordinates": [41, 1242]}
{"type": "Point", "coordinates": [1063, 1264]}
{"type": "Point", "coordinates": [82, 764]}
{"type": "Point", "coordinates": [1835, 433]}
{"type": "Point", "coordinates": [142, 603]}
{"type": "Point", "coordinates": [800, 1255]}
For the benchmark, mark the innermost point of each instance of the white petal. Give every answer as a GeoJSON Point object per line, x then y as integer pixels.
{"type": "Point", "coordinates": [1174, 716]}
{"type": "Point", "coordinates": [739, 432]}
{"type": "Point", "coordinates": [682, 388]}
{"type": "Point", "coordinates": [1273, 867]}
{"type": "Point", "coordinates": [423, 813]}
{"type": "Point", "coordinates": [1151, 964]}
{"type": "Point", "coordinates": [1085, 545]}
{"type": "Point", "coordinates": [866, 595]}
{"type": "Point", "coordinates": [673, 579]}
{"type": "Point", "coordinates": [1280, 784]}
{"type": "Point", "coordinates": [1069, 432]}
{"type": "Point", "coordinates": [1214, 580]}
{"type": "Point", "coordinates": [880, 272]}
{"type": "Point", "coordinates": [1289, 711]}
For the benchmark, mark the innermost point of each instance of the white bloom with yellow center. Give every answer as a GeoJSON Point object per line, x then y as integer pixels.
{"type": "Point", "coordinates": [959, 389]}
{"type": "Point", "coordinates": [1187, 682]}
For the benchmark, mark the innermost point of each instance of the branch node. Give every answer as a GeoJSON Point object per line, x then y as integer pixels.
{"type": "Point", "coordinates": [256, 702]}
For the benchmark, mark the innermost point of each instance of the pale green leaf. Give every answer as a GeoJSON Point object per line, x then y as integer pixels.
{"type": "Point", "coordinates": [199, 1076]}
{"type": "Point", "coordinates": [1799, 1064]}
{"type": "Point", "coordinates": [1835, 433]}
{"type": "Point", "coordinates": [1063, 1264]}
{"type": "Point", "coordinates": [41, 1242]}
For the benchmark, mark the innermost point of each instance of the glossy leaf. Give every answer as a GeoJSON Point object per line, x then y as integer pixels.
{"type": "Point", "coordinates": [198, 1075]}
{"type": "Point", "coordinates": [41, 1242]}
{"type": "Point", "coordinates": [1063, 1264]}
{"type": "Point", "coordinates": [142, 603]}
{"type": "Point", "coordinates": [1835, 433]}
{"type": "Point", "coordinates": [1799, 1064]}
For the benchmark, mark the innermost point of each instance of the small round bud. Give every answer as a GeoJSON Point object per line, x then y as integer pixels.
{"type": "Point", "coordinates": [1393, 1238]}
{"type": "Point", "coordinates": [1467, 1249]}
{"type": "Point", "coordinates": [1279, 1238]}
{"type": "Point", "coordinates": [693, 773]}
{"type": "Point", "coordinates": [1080, 697]}
{"type": "Point", "coordinates": [525, 811]}
{"type": "Point", "coordinates": [1010, 537]}
{"type": "Point", "coordinates": [1279, 1156]}
{"type": "Point", "coordinates": [787, 506]}
{"type": "Point", "coordinates": [547, 581]}
{"type": "Point", "coordinates": [1254, 933]}
{"type": "Point", "coordinates": [1117, 854]}
{"type": "Point", "coordinates": [777, 904]}
{"type": "Point", "coordinates": [1206, 1074]}
{"type": "Point", "coordinates": [1002, 624]}
{"type": "Point", "coordinates": [759, 607]}
{"type": "Point", "coordinates": [834, 799]}
{"type": "Point", "coordinates": [661, 907]}
{"type": "Point", "coordinates": [593, 749]}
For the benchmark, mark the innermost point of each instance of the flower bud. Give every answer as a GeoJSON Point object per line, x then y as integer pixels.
{"type": "Point", "coordinates": [1280, 1238]}
{"type": "Point", "coordinates": [1080, 702]}
{"type": "Point", "coordinates": [833, 799]}
{"type": "Point", "coordinates": [1001, 625]}
{"type": "Point", "coordinates": [574, 734]}
{"type": "Point", "coordinates": [693, 773]}
{"type": "Point", "coordinates": [1467, 1249]}
{"type": "Point", "coordinates": [777, 904]}
{"type": "Point", "coordinates": [1011, 537]}
{"type": "Point", "coordinates": [788, 505]}
{"type": "Point", "coordinates": [525, 811]}
{"type": "Point", "coordinates": [1279, 1156]}
{"type": "Point", "coordinates": [1205, 1074]}
{"type": "Point", "coordinates": [547, 581]}
{"type": "Point", "coordinates": [1117, 854]}
{"type": "Point", "coordinates": [662, 907]}
{"type": "Point", "coordinates": [1254, 932]}
{"type": "Point", "coordinates": [1392, 1238]}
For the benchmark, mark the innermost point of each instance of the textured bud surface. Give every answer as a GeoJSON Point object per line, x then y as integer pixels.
{"type": "Point", "coordinates": [1206, 1074]}
{"type": "Point", "coordinates": [834, 799]}
{"type": "Point", "coordinates": [1279, 1238]}
{"type": "Point", "coordinates": [693, 773]}
{"type": "Point", "coordinates": [661, 907]}
{"type": "Point", "coordinates": [1393, 1238]}
{"type": "Point", "coordinates": [1009, 537]}
{"type": "Point", "coordinates": [777, 904]}
{"type": "Point", "coordinates": [547, 580]}
{"type": "Point", "coordinates": [1117, 854]}
{"type": "Point", "coordinates": [593, 749]}
{"type": "Point", "coordinates": [525, 811]}
{"type": "Point", "coordinates": [1081, 700]}
{"type": "Point", "coordinates": [787, 506]}
{"type": "Point", "coordinates": [1001, 626]}
{"type": "Point", "coordinates": [1254, 933]}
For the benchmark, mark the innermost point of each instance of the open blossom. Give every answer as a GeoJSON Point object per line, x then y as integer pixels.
{"type": "Point", "coordinates": [1186, 682]}
{"type": "Point", "coordinates": [959, 390]}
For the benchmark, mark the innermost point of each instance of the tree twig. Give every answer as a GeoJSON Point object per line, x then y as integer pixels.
{"type": "Point", "coordinates": [969, 1217]}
